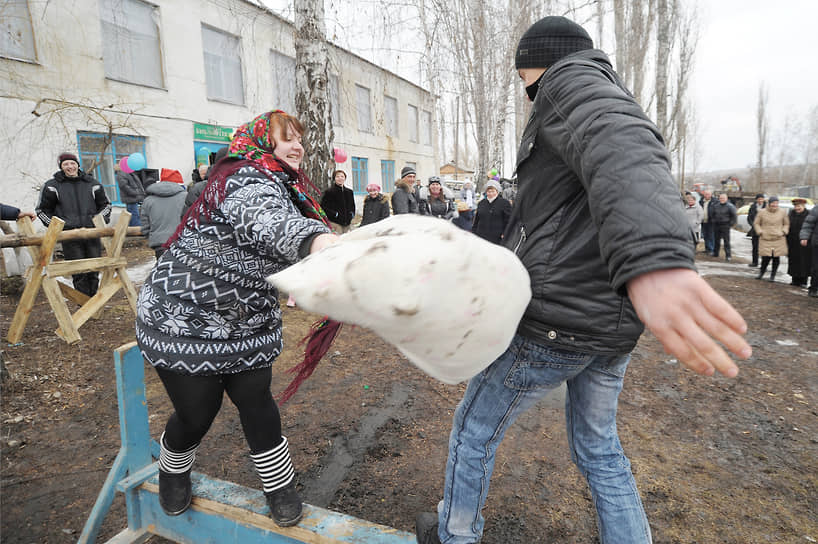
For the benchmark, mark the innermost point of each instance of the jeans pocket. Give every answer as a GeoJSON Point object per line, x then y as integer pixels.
{"type": "Point", "coordinates": [537, 367]}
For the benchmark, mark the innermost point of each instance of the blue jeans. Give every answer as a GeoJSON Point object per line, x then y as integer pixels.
{"type": "Point", "coordinates": [512, 384]}
{"type": "Point", "coordinates": [133, 209]}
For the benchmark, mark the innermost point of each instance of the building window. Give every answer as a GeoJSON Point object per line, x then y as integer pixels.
{"type": "Point", "coordinates": [413, 123]}
{"type": "Point", "coordinates": [426, 127]}
{"type": "Point", "coordinates": [283, 82]}
{"type": "Point", "coordinates": [131, 48]}
{"type": "Point", "coordinates": [100, 153]}
{"type": "Point", "coordinates": [364, 107]}
{"type": "Point", "coordinates": [387, 176]}
{"type": "Point", "coordinates": [16, 34]}
{"type": "Point", "coordinates": [390, 106]}
{"type": "Point", "coordinates": [360, 174]}
{"type": "Point", "coordinates": [335, 100]}
{"type": "Point", "coordinates": [222, 59]}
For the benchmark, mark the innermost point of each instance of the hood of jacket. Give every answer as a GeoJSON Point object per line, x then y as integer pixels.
{"type": "Point", "coordinates": [165, 188]}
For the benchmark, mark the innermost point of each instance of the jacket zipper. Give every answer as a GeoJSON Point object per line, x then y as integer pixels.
{"type": "Point", "coordinates": [522, 239]}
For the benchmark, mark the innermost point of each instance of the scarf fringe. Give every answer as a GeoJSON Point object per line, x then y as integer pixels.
{"type": "Point", "coordinates": [318, 340]}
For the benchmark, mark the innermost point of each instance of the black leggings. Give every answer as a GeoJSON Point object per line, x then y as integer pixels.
{"type": "Point", "coordinates": [197, 399]}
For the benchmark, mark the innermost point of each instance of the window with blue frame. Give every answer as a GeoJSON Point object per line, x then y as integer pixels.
{"type": "Point", "coordinates": [387, 176]}
{"type": "Point", "coordinates": [360, 174]}
{"type": "Point", "coordinates": [100, 153]}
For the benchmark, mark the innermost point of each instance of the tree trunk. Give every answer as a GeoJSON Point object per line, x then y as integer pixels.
{"type": "Point", "coordinates": [312, 92]}
{"type": "Point", "coordinates": [663, 45]}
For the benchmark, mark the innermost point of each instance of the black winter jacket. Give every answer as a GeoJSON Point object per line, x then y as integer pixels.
{"type": "Point", "coordinates": [402, 200]}
{"type": "Point", "coordinates": [375, 209]}
{"type": "Point", "coordinates": [339, 204]}
{"type": "Point", "coordinates": [491, 219]}
{"type": "Point", "coordinates": [74, 200]}
{"type": "Point", "coordinates": [8, 213]}
{"type": "Point", "coordinates": [723, 214]}
{"type": "Point", "coordinates": [596, 207]}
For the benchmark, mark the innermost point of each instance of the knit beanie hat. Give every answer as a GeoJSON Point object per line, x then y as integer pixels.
{"type": "Point", "coordinates": [494, 184]}
{"type": "Point", "coordinates": [772, 199]}
{"type": "Point", "coordinates": [548, 40]}
{"type": "Point", "coordinates": [373, 187]}
{"type": "Point", "coordinates": [406, 171]}
{"type": "Point", "coordinates": [67, 157]}
{"type": "Point", "coordinates": [171, 175]}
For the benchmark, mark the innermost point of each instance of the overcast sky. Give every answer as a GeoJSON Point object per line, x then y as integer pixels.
{"type": "Point", "coordinates": [744, 42]}
{"type": "Point", "coordinates": [741, 44]}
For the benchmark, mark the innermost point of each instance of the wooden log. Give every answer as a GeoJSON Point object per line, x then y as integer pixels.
{"type": "Point", "coordinates": [81, 266]}
{"type": "Point", "coordinates": [21, 240]}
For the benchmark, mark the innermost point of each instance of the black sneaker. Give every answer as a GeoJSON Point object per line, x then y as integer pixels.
{"type": "Point", "coordinates": [812, 293]}
{"type": "Point", "coordinates": [426, 528]}
{"type": "Point", "coordinates": [753, 265]}
{"type": "Point", "coordinates": [285, 505]}
{"type": "Point", "coordinates": [175, 492]}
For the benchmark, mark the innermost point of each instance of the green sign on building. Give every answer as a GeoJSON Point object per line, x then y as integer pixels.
{"type": "Point", "coordinates": [212, 133]}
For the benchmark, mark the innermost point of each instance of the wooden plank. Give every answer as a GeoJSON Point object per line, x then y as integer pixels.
{"type": "Point", "coordinates": [34, 239]}
{"type": "Point", "coordinates": [249, 507]}
{"type": "Point", "coordinates": [41, 259]}
{"type": "Point", "coordinates": [67, 330]}
{"type": "Point", "coordinates": [95, 303]}
{"type": "Point", "coordinates": [72, 294]}
{"type": "Point", "coordinates": [80, 266]}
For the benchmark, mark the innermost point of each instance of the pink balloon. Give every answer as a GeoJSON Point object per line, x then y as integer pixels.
{"type": "Point", "coordinates": [340, 155]}
{"type": "Point", "coordinates": [123, 165]}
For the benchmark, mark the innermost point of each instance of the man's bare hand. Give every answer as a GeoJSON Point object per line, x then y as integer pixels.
{"type": "Point", "coordinates": [686, 315]}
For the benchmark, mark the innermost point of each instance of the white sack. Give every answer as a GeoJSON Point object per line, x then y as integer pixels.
{"type": "Point", "coordinates": [447, 299]}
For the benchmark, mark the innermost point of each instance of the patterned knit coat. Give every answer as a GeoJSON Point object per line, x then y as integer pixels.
{"type": "Point", "coordinates": [206, 307]}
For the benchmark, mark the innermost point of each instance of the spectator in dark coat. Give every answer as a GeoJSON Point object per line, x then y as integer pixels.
{"type": "Point", "coordinates": [809, 238]}
{"type": "Point", "coordinates": [376, 205]}
{"type": "Point", "coordinates": [755, 207]}
{"type": "Point", "coordinates": [338, 203]}
{"type": "Point", "coordinates": [132, 193]}
{"type": "Point", "coordinates": [722, 216]}
{"type": "Point", "coordinates": [10, 213]}
{"type": "Point", "coordinates": [493, 213]}
{"type": "Point", "coordinates": [799, 257]}
{"type": "Point", "coordinates": [161, 209]}
{"type": "Point", "coordinates": [404, 199]}
{"type": "Point", "coordinates": [75, 197]}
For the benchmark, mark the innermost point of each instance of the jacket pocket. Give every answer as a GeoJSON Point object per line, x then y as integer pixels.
{"type": "Point", "coordinates": [527, 145]}
{"type": "Point", "coordinates": [538, 366]}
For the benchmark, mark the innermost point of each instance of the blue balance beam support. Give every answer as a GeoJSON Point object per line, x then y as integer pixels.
{"type": "Point", "coordinates": [221, 512]}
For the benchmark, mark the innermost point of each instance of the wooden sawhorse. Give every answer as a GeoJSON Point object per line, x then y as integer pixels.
{"type": "Point", "coordinates": [221, 512]}
{"type": "Point", "coordinates": [43, 273]}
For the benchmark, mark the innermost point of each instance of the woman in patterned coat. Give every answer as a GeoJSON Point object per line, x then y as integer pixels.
{"type": "Point", "coordinates": [209, 322]}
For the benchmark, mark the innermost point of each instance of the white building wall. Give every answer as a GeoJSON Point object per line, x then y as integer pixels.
{"type": "Point", "coordinates": [68, 89]}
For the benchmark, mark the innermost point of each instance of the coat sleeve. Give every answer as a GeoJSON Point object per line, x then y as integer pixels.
{"type": "Point", "coordinates": [350, 203]}
{"type": "Point", "coordinates": [810, 224]}
{"type": "Point", "coordinates": [101, 203]}
{"type": "Point", "coordinates": [145, 216]}
{"type": "Point", "coordinates": [8, 213]}
{"type": "Point", "coordinates": [384, 209]}
{"type": "Point", "coordinates": [47, 204]}
{"type": "Point", "coordinates": [263, 214]}
{"type": "Point", "coordinates": [620, 159]}
{"type": "Point", "coordinates": [400, 204]}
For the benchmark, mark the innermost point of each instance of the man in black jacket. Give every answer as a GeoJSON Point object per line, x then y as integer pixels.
{"type": "Point", "coordinates": [75, 197]}
{"type": "Point", "coordinates": [598, 225]}
{"type": "Point", "coordinates": [759, 204]}
{"type": "Point", "coordinates": [723, 216]}
{"type": "Point", "coordinates": [339, 203]}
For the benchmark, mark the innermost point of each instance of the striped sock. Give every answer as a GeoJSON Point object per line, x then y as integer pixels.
{"type": "Point", "coordinates": [175, 462]}
{"type": "Point", "coordinates": [274, 467]}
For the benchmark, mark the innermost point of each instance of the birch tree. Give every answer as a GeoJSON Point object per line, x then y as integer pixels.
{"type": "Point", "coordinates": [761, 132]}
{"type": "Point", "coordinates": [312, 91]}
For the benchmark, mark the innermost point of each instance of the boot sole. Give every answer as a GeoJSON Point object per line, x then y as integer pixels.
{"type": "Point", "coordinates": [176, 512]}
{"type": "Point", "coordinates": [290, 522]}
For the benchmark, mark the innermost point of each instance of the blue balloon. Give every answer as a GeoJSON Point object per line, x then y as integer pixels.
{"type": "Point", "coordinates": [137, 161]}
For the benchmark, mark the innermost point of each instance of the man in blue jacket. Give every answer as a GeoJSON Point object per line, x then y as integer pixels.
{"type": "Point", "coordinates": [598, 225]}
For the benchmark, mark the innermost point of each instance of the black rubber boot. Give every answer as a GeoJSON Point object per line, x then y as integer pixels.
{"type": "Point", "coordinates": [426, 528]}
{"type": "Point", "coordinates": [285, 505]}
{"type": "Point", "coordinates": [174, 492]}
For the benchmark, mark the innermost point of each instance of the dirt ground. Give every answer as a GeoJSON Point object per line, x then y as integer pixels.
{"type": "Point", "coordinates": [716, 460]}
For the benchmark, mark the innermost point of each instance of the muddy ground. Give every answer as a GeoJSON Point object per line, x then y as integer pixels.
{"type": "Point", "coordinates": [716, 460]}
